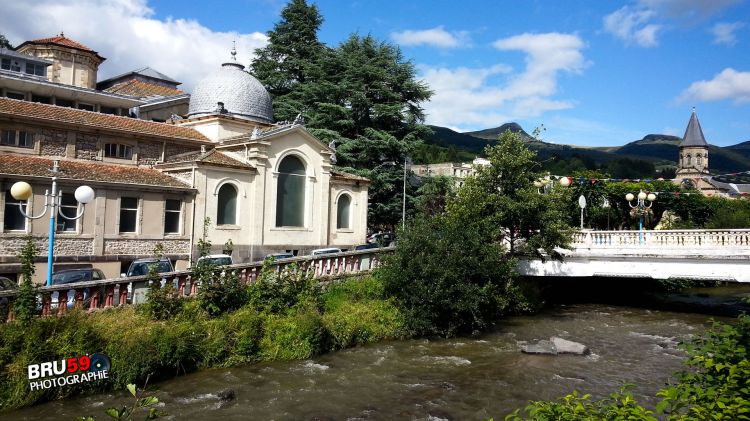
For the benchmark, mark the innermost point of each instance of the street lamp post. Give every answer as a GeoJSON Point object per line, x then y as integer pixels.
{"type": "Point", "coordinates": [22, 191]}
{"type": "Point", "coordinates": [640, 208]}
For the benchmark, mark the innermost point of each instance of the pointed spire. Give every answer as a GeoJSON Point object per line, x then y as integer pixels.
{"type": "Point", "coordinates": [693, 133]}
{"type": "Point", "coordinates": [234, 51]}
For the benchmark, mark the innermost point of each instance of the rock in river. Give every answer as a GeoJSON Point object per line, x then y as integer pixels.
{"type": "Point", "coordinates": [555, 346]}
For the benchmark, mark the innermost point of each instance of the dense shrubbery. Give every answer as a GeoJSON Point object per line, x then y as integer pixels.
{"type": "Point", "coordinates": [138, 346]}
{"type": "Point", "coordinates": [716, 386]}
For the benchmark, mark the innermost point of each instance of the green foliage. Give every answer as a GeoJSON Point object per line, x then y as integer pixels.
{"type": "Point", "coordinates": [448, 278]}
{"type": "Point", "coordinates": [574, 407]}
{"type": "Point", "coordinates": [728, 213]}
{"type": "Point", "coordinates": [204, 245]}
{"type": "Point", "coordinates": [164, 302]}
{"type": "Point", "coordinates": [220, 294]}
{"type": "Point", "coordinates": [362, 95]}
{"type": "Point", "coordinates": [4, 43]}
{"type": "Point", "coordinates": [276, 292]}
{"type": "Point", "coordinates": [503, 196]}
{"type": "Point", "coordinates": [139, 347]}
{"type": "Point", "coordinates": [142, 403]}
{"type": "Point", "coordinates": [433, 194]}
{"type": "Point", "coordinates": [25, 303]}
{"type": "Point", "coordinates": [718, 385]}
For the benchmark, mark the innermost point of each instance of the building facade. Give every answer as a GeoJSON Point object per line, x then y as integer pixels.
{"type": "Point", "coordinates": [219, 156]}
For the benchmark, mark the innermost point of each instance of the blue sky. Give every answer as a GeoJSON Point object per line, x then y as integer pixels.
{"type": "Point", "coordinates": [593, 72]}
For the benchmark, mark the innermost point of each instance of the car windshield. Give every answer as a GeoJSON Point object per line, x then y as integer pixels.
{"type": "Point", "coordinates": [141, 268]}
{"type": "Point", "coordinates": [70, 277]}
{"type": "Point", "coordinates": [326, 251]}
{"type": "Point", "coordinates": [218, 261]}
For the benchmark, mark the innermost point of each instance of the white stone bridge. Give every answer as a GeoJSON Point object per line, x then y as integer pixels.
{"type": "Point", "coordinates": [717, 255]}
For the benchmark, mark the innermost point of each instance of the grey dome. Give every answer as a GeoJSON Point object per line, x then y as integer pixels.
{"type": "Point", "coordinates": [243, 96]}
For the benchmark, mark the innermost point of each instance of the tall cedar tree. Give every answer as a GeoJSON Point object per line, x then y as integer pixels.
{"type": "Point", "coordinates": [4, 43]}
{"type": "Point", "coordinates": [362, 95]}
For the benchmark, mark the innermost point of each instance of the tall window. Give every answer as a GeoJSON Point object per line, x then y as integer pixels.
{"type": "Point", "coordinates": [16, 138]}
{"type": "Point", "coordinates": [14, 219]}
{"type": "Point", "coordinates": [128, 214]}
{"type": "Point", "coordinates": [290, 196]}
{"type": "Point", "coordinates": [342, 211]}
{"type": "Point", "coordinates": [117, 150]}
{"type": "Point", "coordinates": [69, 208]}
{"type": "Point", "coordinates": [226, 214]}
{"type": "Point", "coordinates": [688, 161]}
{"type": "Point", "coordinates": [35, 69]}
{"type": "Point", "coordinates": [699, 160]}
{"type": "Point", "coordinates": [172, 209]}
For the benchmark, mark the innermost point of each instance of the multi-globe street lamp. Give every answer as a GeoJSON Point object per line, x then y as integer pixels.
{"type": "Point", "coordinates": [21, 191]}
{"type": "Point", "coordinates": [641, 208]}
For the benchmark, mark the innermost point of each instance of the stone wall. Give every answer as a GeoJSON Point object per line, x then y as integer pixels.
{"type": "Point", "coordinates": [173, 150]}
{"type": "Point", "coordinates": [87, 146]}
{"type": "Point", "coordinates": [53, 142]}
{"type": "Point", "coordinates": [11, 246]}
{"type": "Point", "coordinates": [148, 153]}
{"type": "Point", "coordinates": [136, 247]}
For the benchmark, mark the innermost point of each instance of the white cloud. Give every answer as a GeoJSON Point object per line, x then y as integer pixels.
{"type": "Point", "coordinates": [127, 34]}
{"type": "Point", "coordinates": [436, 37]}
{"type": "Point", "coordinates": [483, 97]}
{"type": "Point", "coordinates": [725, 33]}
{"type": "Point", "coordinates": [641, 22]}
{"type": "Point", "coordinates": [729, 84]}
{"type": "Point", "coordinates": [631, 25]}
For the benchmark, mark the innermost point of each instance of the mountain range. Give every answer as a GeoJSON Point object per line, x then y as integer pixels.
{"type": "Point", "coordinates": [659, 149]}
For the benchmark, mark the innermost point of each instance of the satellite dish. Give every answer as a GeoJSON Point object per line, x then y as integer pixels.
{"type": "Point", "coordinates": [582, 201]}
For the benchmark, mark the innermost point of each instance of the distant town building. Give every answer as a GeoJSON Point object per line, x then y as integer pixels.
{"type": "Point", "coordinates": [457, 170]}
{"type": "Point", "coordinates": [161, 161]}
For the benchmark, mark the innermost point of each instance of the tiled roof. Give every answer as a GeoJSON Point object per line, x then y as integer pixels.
{"type": "Point", "coordinates": [693, 133]}
{"type": "Point", "coordinates": [23, 165]}
{"type": "Point", "coordinates": [62, 40]}
{"type": "Point", "coordinates": [48, 112]}
{"type": "Point", "coordinates": [347, 176]}
{"type": "Point", "coordinates": [211, 157]}
{"type": "Point", "coordinates": [141, 89]}
{"type": "Point", "coordinates": [144, 71]}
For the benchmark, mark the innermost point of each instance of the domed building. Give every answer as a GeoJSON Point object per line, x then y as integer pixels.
{"type": "Point", "coordinates": [266, 187]}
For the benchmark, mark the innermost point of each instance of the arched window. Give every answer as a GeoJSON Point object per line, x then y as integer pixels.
{"type": "Point", "coordinates": [290, 194]}
{"type": "Point", "coordinates": [688, 160]}
{"type": "Point", "coordinates": [699, 160]}
{"type": "Point", "coordinates": [226, 212]}
{"type": "Point", "coordinates": [342, 211]}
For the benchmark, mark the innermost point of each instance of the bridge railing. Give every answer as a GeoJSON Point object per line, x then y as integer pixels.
{"type": "Point", "coordinates": [92, 295]}
{"type": "Point", "coordinates": [714, 239]}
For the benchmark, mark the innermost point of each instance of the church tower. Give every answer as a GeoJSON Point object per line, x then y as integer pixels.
{"type": "Point", "coordinates": [693, 159]}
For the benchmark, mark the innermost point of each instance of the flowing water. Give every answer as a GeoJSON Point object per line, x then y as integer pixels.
{"type": "Point", "coordinates": [457, 379]}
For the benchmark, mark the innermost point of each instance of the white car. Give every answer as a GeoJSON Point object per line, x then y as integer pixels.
{"type": "Point", "coordinates": [330, 250]}
{"type": "Point", "coordinates": [215, 259]}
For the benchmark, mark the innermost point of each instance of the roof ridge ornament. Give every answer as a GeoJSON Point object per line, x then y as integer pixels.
{"type": "Point", "coordinates": [234, 51]}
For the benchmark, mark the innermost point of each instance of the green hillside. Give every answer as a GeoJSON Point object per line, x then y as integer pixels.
{"type": "Point", "coordinates": [657, 151]}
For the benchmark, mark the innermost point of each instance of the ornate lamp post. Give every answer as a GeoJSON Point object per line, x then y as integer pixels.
{"type": "Point", "coordinates": [22, 191]}
{"type": "Point", "coordinates": [641, 208]}
{"type": "Point", "coordinates": [544, 184]}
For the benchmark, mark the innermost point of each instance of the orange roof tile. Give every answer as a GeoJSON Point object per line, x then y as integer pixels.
{"type": "Point", "coordinates": [141, 89]}
{"type": "Point", "coordinates": [62, 40]}
{"type": "Point", "coordinates": [24, 165]}
{"type": "Point", "coordinates": [14, 107]}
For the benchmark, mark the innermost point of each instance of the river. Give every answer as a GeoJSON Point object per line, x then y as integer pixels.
{"type": "Point", "coordinates": [456, 379]}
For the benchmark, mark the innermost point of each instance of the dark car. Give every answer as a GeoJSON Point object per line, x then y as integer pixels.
{"type": "Point", "coordinates": [278, 256]}
{"type": "Point", "coordinates": [382, 239]}
{"type": "Point", "coordinates": [367, 246]}
{"type": "Point", "coordinates": [5, 285]}
{"type": "Point", "coordinates": [71, 276]}
{"type": "Point", "coordinates": [141, 266]}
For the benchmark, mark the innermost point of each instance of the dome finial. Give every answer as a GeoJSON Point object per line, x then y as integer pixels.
{"type": "Point", "coordinates": [234, 51]}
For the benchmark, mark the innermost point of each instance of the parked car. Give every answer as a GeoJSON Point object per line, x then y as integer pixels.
{"type": "Point", "coordinates": [383, 239]}
{"type": "Point", "coordinates": [330, 250]}
{"type": "Point", "coordinates": [70, 276]}
{"type": "Point", "coordinates": [279, 256]}
{"type": "Point", "coordinates": [367, 246]}
{"type": "Point", "coordinates": [141, 266]}
{"type": "Point", "coordinates": [215, 259]}
{"type": "Point", "coordinates": [5, 285]}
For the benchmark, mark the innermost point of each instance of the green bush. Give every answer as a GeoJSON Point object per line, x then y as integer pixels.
{"type": "Point", "coordinates": [279, 292]}
{"type": "Point", "coordinates": [363, 322]}
{"type": "Point", "coordinates": [297, 335]}
{"type": "Point", "coordinates": [574, 407]}
{"type": "Point", "coordinates": [219, 294]}
{"type": "Point", "coordinates": [163, 302]}
{"type": "Point", "coordinates": [448, 279]}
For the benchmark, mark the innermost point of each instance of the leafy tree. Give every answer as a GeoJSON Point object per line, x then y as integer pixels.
{"type": "Point", "coordinates": [362, 95]}
{"type": "Point", "coordinates": [4, 43]}
{"type": "Point", "coordinates": [504, 194]}
{"type": "Point", "coordinates": [26, 300]}
{"type": "Point", "coordinates": [433, 194]}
